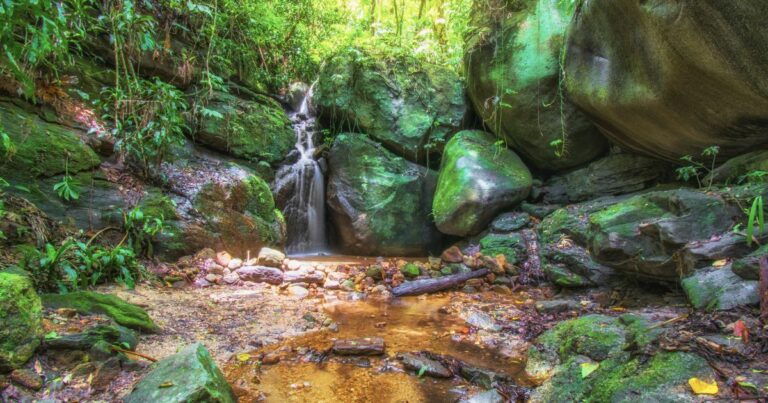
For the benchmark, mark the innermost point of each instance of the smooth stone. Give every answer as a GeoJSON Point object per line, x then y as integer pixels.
{"type": "Point", "coordinates": [430, 367]}
{"type": "Point", "coordinates": [361, 346]}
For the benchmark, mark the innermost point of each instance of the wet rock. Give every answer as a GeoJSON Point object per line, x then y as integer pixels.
{"type": "Point", "coordinates": [490, 396]}
{"type": "Point", "coordinates": [477, 180]}
{"type": "Point", "coordinates": [615, 174]}
{"type": "Point", "coordinates": [481, 377]}
{"type": "Point", "coordinates": [303, 276]}
{"type": "Point", "coordinates": [452, 255]}
{"type": "Point", "coordinates": [399, 102]}
{"type": "Point", "coordinates": [188, 376]}
{"type": "Point", "coordinates": [480, 320]}
{"type": "Point", "coordinates": [27, 378]}
{"type": "Point", "coordinates": [379, 204]}
{"type": "Point", "coordinates": [511, 70]}
{"type": "Point", "coordinates": [424, 365]}
{"type": "Point", "coordinates": [720, 288]}
{"type": "Point", "coordinates": [614, 48]}
{"type": "Point", "coordinates": [260, 274]}
{"type": "Point", "coordinates": [21, 318]}
{"type": "Point", "coordinates": [88, 303]}
{"type": "Point", "coordinates": [509, 222]}
{"type": "Point", "coordinates": [271, 257]}
{"type": "Point", "coordinates": [557, 306]}
{"type": "Point", "coordinates": [361, 346]}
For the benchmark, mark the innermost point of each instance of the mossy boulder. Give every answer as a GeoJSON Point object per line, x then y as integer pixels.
{"type": "Point", "coordinates": [43, 149]}
{"type": "Point", "coordinates": [379, 203]}
{"type": "Point", "coordinates": [511, 245]}
{"type": "Point", "coordinates": [89, 303]}
{"type": "Point", "coordinates": [748, 267]}
{"type": "Point", "coordinates": [513, 67]}
{"type": "Point", "coordinates": [569, 265]}
{"type": "Point", "coordinates": [21, 318]}
{"type": "Point", "coordinates": [720, 288]}
{"type": "Point", "coordinates": [255, 128]}
{"type": "Point", "coordinates": [641, 235]}
{"type": "Point", "coordinates": [611, 343]}
{"type": "Point", "coordinates": [411, 107]}
{"type": "Point", "coordinates": [478, 179]}
{"type": "Point", "coordinates": [189, 376]}
{"type": "Point", "coordinates": [117, 335]}
{"type": "Point", "coordinates": [670, 78]}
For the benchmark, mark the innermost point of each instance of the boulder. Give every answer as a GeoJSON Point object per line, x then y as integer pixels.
{"type": "Point", "coordinates": [737, 169]}
{"type": "Point", "coordinates": [260, 274]}
{"type": "Point", "coordinates": [514, 82]}
{"type": "Point", "coordinates": [641, 235]}
{"type": "Point", "coordinates": [255, 128]}
{"type": "Point", "coordinates": [190, 376]}
{"type": "Point", "coordinates": [748, 267]}
{"type": "Point", "coordinates": [43, 149]}
{"type": "Point", "coordinates": [21, 316]}
{"type": "Point", "coordinates": [379, 204]}
{"type": "Point", "coordinates": [613, 345]}
{"type": "Point", "coordinates": [669, 78]}
{"type": "Point", "coordinates": [720, 288]}
{"type": "Point", "coordinates": [271, 257]}
{"type": "Point", "coordinates": [512, 246]}
{"type": "Point", "coordinates": [411, 107]}
{"type": "Point", "coordinates": [90, 303]}
{"type": "Point", "coordinates": [615, 174]}
{"type": "Point", "coordinates": [478, 179]}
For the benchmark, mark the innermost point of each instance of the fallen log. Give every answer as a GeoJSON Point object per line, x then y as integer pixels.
{"type": "Point", "coordinates": [431, 285]}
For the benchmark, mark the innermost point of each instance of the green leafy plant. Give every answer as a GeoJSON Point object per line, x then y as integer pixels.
{"type": "Point", "coordinates": [141, 229]}
{"type": "Point", "coordinates": [696, 169]}
{"type": "Point", "coordinates": [68, 188]}
{"type": "Point", "coordinates": [756, 218]}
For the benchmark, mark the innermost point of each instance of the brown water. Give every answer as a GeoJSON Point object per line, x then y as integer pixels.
{"type": "Point", "coordinates": [406, 325]}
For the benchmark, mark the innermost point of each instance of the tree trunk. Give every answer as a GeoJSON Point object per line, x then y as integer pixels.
{"type": "Point", "coordinates": [431, 285]}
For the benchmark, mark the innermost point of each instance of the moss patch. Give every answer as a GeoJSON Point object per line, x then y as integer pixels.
{"type": "Point", "coordinates": [89, 303]}
{"type": "Point", "coordinates": [21, 318]}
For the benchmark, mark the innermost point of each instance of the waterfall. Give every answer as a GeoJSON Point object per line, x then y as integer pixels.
{"type": "Point", "coordinates": [300, 186]}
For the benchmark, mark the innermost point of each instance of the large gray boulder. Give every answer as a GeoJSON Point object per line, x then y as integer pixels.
{"type": "Point", "coordinates": [478, 179]}
{"type": "Point", "coordinates": [379, 203]}
{"type": "Point", "coordinates": [513, 69]}
{"type": "Point", "coordinates": [410, 107]}
{"type": "Point", "coordinates": [669, 78]}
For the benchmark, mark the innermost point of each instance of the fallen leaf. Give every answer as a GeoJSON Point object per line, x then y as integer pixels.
{"type": "Point", "coordinates": [588, 368]}
{"type": "Point", "coordinates": [166, 384]}
{"type": "Point", "coordinates": [740, 330]}
{"type": "Point", "coordinates": [243, 357]}
{"type": "Point", "coordinates": [701, 387]}
{"type": "Point", "coordinates": [745, 384]}
{"type": "Point", "coordinates": [720, 263]}
{"type": "Point", "coordinates": [38, 367]}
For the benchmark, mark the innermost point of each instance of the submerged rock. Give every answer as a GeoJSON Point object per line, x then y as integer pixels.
{"type": "Point", "coordinates": [424, 366]}
{"type": "Point", "coordinates": [477, 180]}
{"type": "Point", "coordinates": [89, 303]}
{"type": "Point", "coordinates": [21, 318]}
{"type": "Point", "coordinates": [513, 65]}
{"type": "Point", "coordinates": [410, 107]}
{"type": "Point", "coordinates": [379, 204]}
{"type": "Point", "coordinates": [190, 376]}
{"type": "Point", "coordinates": [670, 78]}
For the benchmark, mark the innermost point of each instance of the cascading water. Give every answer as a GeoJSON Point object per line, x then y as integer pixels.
{"type": "Point", "coordinates": [301, 188]}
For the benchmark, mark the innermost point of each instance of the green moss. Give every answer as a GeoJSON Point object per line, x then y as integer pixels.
{"type": "Point", "coordinates": [410, 270]}
{"type": "Point", "coordinates": [21, 318]}
{"type": "Point", "coordinates": [512, 246]}
{"type": "Point", "coordinates": [595, 336]}
{"type": "Point", "coordinates": [88, 303]}
{"type": "Point", "coordinates": [42, 148]}
{"type": "Point", "coordinates": [564, 277]}
{"type": "Point", "coordinates": [156, 204]}
{"type": "Point", "coordinates": [260, 201]}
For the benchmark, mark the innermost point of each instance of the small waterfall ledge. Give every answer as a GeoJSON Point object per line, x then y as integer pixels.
{"type": "Point", "coordinates": [300, 186]}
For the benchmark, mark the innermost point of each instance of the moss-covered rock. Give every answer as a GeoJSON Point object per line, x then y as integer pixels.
{"type": "Point", "coordinates": [512, 246]}
{"type": "Point", "coordinates": [748, 267]}
{"type": "Point", "coordinates": [190, 376]}
{"type": "Point", "coordinates": [410, 270]}
{"type": "Point", "coordinates": [252, 129]}
{"type": "Point", "coordinates": [21, 318]}
{"type": "Point", "coordinates": [513, 63]}
{"type": "Point", "coordinates": [43, 149]}
{"type": "Point", "coordinates": [610, 342]}
{"type": "Point", "coordinates": [89, 303]}
{"type": "Point", "coordinates": [380, 204]}
{"type": "Point", "coordinates": [478, 179]}
{"type": "Point", "coordinates": [119, 336]}
{"type": "Point", "coordinates": [410, 107]}
{"type": "Point", "coordinates": [720, 288]}
{"type": "Point", "coordinates": [653, 73]}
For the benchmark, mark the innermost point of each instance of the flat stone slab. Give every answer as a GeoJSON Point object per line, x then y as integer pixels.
{"type": "Point", "coordinates": [260, 274]}
{"type": "Point", "coordinates": [362, 346]}
{"type": "Point", "coordinates": [430, 367]}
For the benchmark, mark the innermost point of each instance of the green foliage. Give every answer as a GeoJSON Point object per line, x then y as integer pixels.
{"type": "Point", "coordinates": [148, 119]}
{"type": "Point", "coordinates": [756, 216]}
{"type": "Point", "coordinates": [696, 169]}
{"type": "Point", "coordinates": [141, 229]}
{"type": "Point", "coordinates": [68, 188]}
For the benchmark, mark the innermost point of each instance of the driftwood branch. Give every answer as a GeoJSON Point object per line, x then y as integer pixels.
{"type": "Point", "coordinates": [431, 285]}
